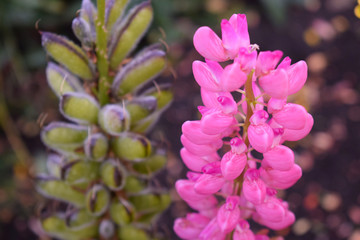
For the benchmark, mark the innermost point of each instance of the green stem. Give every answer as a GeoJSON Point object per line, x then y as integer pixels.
{"type": "Point", "coordinates": [101, 52]}
{"type": "Point", "coordinates": [250, 99]}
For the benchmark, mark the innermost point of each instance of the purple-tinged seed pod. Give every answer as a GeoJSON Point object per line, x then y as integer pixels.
{"type": "Point", "coordinates": [106, 229]}
{"type": "Point", "coordinates": [79, 107]}
{"type": "Point", "coordinates": [113, 174]}
{"type": "Point", "coordinates": [97, 200]}
{"type": "Point", "coordinates": [114, 10]}
{"type": "Point", "coordinates": [88, 12]}
{"type": "Point", "coordinates": [114, 119]}
{"type": "Point", "coordinates": [142, 69]}
{"type": "Point", "coordinates": [61, 80]}
{"type": "Point", "coordinates": [132, 147]}
{"type": "Point", "coordinates": [96, 146]}
{"type": "Point", "coordinates": [82, 31]}
{"type": "Point", "coordinates": [54, 165]}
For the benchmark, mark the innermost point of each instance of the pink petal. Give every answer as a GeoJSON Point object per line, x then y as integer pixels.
{"type": "Point", "coordinates": [199, 150]}
{"type": "Point", "coordinates": [279, 158]}
{"type": "Point", "coordinates": [216, 122]}
{"type": "Point", "coordinates": [267, 61]}
{"type": "Point", "coordinates": [185, 189]}
{"type": "Point", "coordinates": [192, 131]}
{"type": "Point", "coordinates": [275, 104]}
{"type": "Point", "coordinates": [228, 215]}
{"type": "Point", "coordinates": [285, 63]}
{"type": "Point", "coordinates": [207, 203]}
{"type": "Point", "coordinates": [228, 105]}
{"type": "Point", "coordinates": [232, 165]}
{"type": "Point", "coordinates": [230, 39]}
{"type": "Point", "coordinates": [239, 23]}
{"type": "Point", "coordinates": [212, 231]}
{"type": "Point", "coordinates": [297, 76]}
{"type": "Point", "coordinates": [204, 76]}
{"type": "Point", "coordinates": [246, 59]}
{"type": "Point", "coordinates": [215, 68]}
{"type": "Point", "coordinates": [193, 162]}
{"type": "Point", "coordinates": [209, 184]}
{"type": "Point", "coordinates": [190, 227]}
{"type": "Point", "coordinates": [281, 179]}
{"type": "Point", "coordinates": [261, 137]}
{"type": "Point", "coordinates": [289, 219]}
{"type": "Point", "coordinates": [209, 45]}
{"type": "Point", "coordinates": [275, 83]}
{"type": "Point", "coordinates": [254, 189]}
{"type": "Point", "coordinates": [210, 99]}
{"type": "Point", "coordinates": [295, 135]}
{"type": "Point", "coordinates": [291, 116]}
{"type": "Point", "coordinates": [232, 78]}
{"type": "Point", "coordinates": [271, 210]}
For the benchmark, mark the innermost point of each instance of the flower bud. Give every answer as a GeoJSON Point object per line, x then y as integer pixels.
{"type": "Point", "coordinates": [132, 147]}
{"type": "Point", "coordinates": [152, 164]}
{"type": "Point", "coordinates": [64, 137]}
{"type": "Point", "coordinates": [61, 191]}
{"type": "Point", "coordinates": [185, 189]}
{"type": "Point", "coordinates": [106, 229]}
{"type": "Point", "coordinates": [291, 116]}
{"type": "Point", "coordinates": [68, 54]}
{"type": "Point", "coordinates": [295, 135]}
{"type": "Point", "coordinates": [199, 150]}
{"type": "Point", "coordinates": [62, 81]}
{"type": "Point", "coordinates": [96, 147]}
{"type": "Point", "coordinates": [194, 162]}
{"type": "Point", "coordinates": [211, 181]}
{"type": "Point", "coordinates": [281, 179]}
{"type": "Point", "coordinates": [79, 107]}
{"type": "Point", "coordinates": [122, 212]}
{"type": "Point", "coordinates": [127, 35]}
{"type": "Point", "coordinates": [129, 232]}
{"type": "Point", "coordinates": [80, 173]}
{"type": "Point", "coordinates": [205, 77]}
{"type": "Point", "coordinates": [163, 95]}
{"type": "Point", "coordinates": [145, 66]}
{"type": "Point", "coordinates": [114, 119]}
{"type": "Point", "coordinates": [113, 174]}
{"type": "Point", "coordinates": [297, 73]}
{"type": "Point", "coordinates": [210, 99]}
{"type": "Point", "coordinates": [113, 12]}
{"type": "Point", "coordinates": [82, 31]}
{"type": "Point", "coordinates": [192, 131]}
{"type": "Point", "coordinates": [89, 14]}
{"type": "Point", "coordinates": [97, 200]}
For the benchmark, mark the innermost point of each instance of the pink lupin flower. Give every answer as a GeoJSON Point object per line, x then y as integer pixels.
{"type": "Point", "coordinates": [229, 214]}
{"type": "Point", "coordinates": [205, 77]}
{"type": "Point", "coordinates": [297, 74]}
{"type": "Point", "coordinates": [260, 134]}
{"type": "Point", "coordinates": [192, 131]}
{"type": "Point", "coordinates": [227, 105]}
{"type": "Point", "coordinates": [212, 231]}
{"type": "Point", "coordinates": [211, 181]}
{"type": "Point", "coordinates": [210, 99]}
{"type": "Point", "coordinates": [275, 104]}
{"type": "Point", "coordinates": [275, 83]}
{"type": "Point", "coordinates": [232, 78]}
{"type": "Point", "coordinates": [216, 122]}
{"type": "Point", "coordinates": [291, 116]}
{"type": "Point", "coordinates": [195, 162]}
{"type": "Point", "coordinates": [295, 135]}
{"type": "Point", "coordinates": [207, 203]}
{"type": "Point", "coordinates": [199, 150]}
{"type": "Point", "coordinates": [189, 228]}
{"type": "Point", "coordinates": [254, 189]}
{"type": "Point", "coordinates": [243, 232]}
{"type": "Point", "coordinates": [246, 59]}
{"type": "Point", "coordinates": [271, 210]}
{"type": "Point", "coordinates": [287, 220]}
{"type": "Point", "coordinates": [281, 179]}
{"type": "Point", "coordinates": [185, 189]}
{"type": "Point", "coordinates": [267, 61]}
{"type": "Point", "coordinates": [261, 237]}
{"type": "Point", "coordinates": [279, 158]}
{"type": "Point", "coordinates": [232, 165]}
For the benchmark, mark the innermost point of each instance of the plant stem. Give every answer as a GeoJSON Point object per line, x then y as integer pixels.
{"type": "Point", "coordinates": [101, 52]}
{"type": "Point", "coordinates": [250, 99]}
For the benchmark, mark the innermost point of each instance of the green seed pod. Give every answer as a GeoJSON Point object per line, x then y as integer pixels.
{"type": "Point", "coordinates": [96, 147]}
{"type": "Point", "coordinates": [97, 200]}
{"type": "Point", "coordinates": [82, 31]}
{"type": "Point", "coordinates": [129, 232]}
{"type": "Point", "coordinates": [113, 174]}
{"type": "Point", "coordinates": [132, 147]}
{"type": "Point", "coordinates": [61, 81]}
{"type": "Point", "coordinates": [114, 119]}
{"type": "Point", "coordinates": [140, 107]}
{"type": "Point", "coordinates": [56, 227]}
{"type": "Point", "coordinates": [113, 12]}
{"type": "Point", "coordinates": [149, 203]}
{"type": "Point", "coordinates": [144, 67]}
{"type": "Point", "coordinates": [79, 218]}
{"type": "Point", "coordinates": [126, 37]}
{"type": "Point", "coordinates": [122, 212]}
{"type": "Point", "coordinates": [106, 229]}
{"type": "Point", "coordinates": [79, 107]}
{"type": "Point", "coordinates": [63, 137]}
{"type": "Point", "coordinates": [151, 164]}
{"type": "Point", "coordinates": [134, 185]}
{"type": "Point", "coordinates": [56, 189]}
{"type": "Point", "coordinates": [54, 165]}
{"type": "Point", "coordinates": [67, 53]}
{"type": "Point", "coordinates": [80, 173]}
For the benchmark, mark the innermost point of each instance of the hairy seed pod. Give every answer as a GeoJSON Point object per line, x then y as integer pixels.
{"type": "Point", "coordinates": [113, 12]}
{"type": "Point", "coordinates": [79, 218]}
{"type": "Point", "coordinates": [80, 173]}
{"type": "Point", "coordinates": [132, 147]}
{"type": "Point", "coordinates": [96, 147]}
{"type": "Point", "coordinates": [130, 232]}
{"type": "Point", "coordinates": [80, 108]}
{"type": "Point", "coordinates": [97, 200]}
{"type": "Point", "coordinates": [127, 35]}
{"type": "Point", "coordinates": [114, 119]}
{"type": "Point", "coordinates": [149, 203]}
{"type": "Point", "coordinates": [134, 185]}
{"type": "Point", "coordinates": [113, 174]}
{"type": "Point", "coordinates": [54, 165]}
{"type": "Point", "coordinates": [122, 212]}
{"type": "Point", "coordinates": [62, 81]}
{"type": "Point", "coordinates": [140, 107]}
{"type": "Point", "coordinates": [88, 12]}
{"type": "Point", "coordinates": [144, 67]}
{"type": "Point", "coordinates": [56, 189]}
{"type": "Point", "coordinates": [151, 164]}
{"type": "Point", "coordinates": [106, 229]}
{"type": "Point", "coordinates": [82, 31]}
{"type": "Point", "coordinates": [68, 54]}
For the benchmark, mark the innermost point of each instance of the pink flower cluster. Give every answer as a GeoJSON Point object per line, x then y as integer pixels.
{"type": "Point", "coordinates": [227, 191]}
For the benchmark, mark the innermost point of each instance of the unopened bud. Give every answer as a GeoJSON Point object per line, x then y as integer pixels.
{"type": "Point", "coordinates": [141, 107]}
{"type": "Point", "coordinates": [113, 12]}
{"type": "Point", "coordinates": [134, 185]}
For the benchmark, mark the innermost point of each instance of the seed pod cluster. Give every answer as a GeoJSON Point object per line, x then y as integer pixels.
{"type": "Point", "coordinates": [102, 161]}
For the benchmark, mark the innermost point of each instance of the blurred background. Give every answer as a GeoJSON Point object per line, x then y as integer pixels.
{"type": "Point", "coordinates": [326, 33]}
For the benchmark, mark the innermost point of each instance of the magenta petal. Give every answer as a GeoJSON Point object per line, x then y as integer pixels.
{"type": "Point", "coordinates": [279, 158]}
{"type": "Point", "coordinates": [239, 23]}
{"type": "Point", "coordinates": [230, 39]}
{"type": "Point", "coordinates": [228, 215]}
{"type": "Point", "coordinates": [207, 203]}
{"type": "Point", "coordinates": [204, 76]}
{"type": "Point", "coordinates": [232, 78]}
{"type": "Point", "coordinates": [289, 219]}
{"type": "Point", "coordinates": [210, 99]}
{"type": "Point", "coordinates": [292, 116]}
{"type": "Point", "coordinates": [199, 150]}
{"type": "Point", "coordinates": [275, 83]}
{"type": "Point", "coordinates": [190, 227]}
{"type": "Point", "coordinates": [192, 161]}
{"type": "Point", "coordinates": [285, 63]}
{"type": "Point", "coordinates": [216, 122]}
{"type": "Point", "coordinates": [297, 76]}
{"type": "Point", "coordinates": [271, 210]}
{"type": "Point", "coordinates": [228, 105]}
{"type": "Point", "coordinates": [295, 135]}
{"type": "Point", "coordinates": [267, 61]}
{"type": "Point", "coordinates": [275, 104]}
{"type": "Point", "coordinates": [261, 137]}
{"type": "Point", "coordinates": [212, 231]}
{"type": "Point", "coordinates": [254, 189]}
{"type": "Point", "coordinates": [243, 232]}
{"type": "Point", "coordinates": [185, 189]}
{"type": "Point", "coordinates": [209, 184]}
{"type": "Point", "coordinates": [281, 179]}
{"type": "Point", "coordinates": [215, 67]}
{"type": "Point", "coordinates": [209, 45]}
{"type": "Point", "coordinates": [192, 131]}
{"type": "Point", "coordinates": [232, 165]}
{"type": "Point", "coordinates": [246, 59]}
